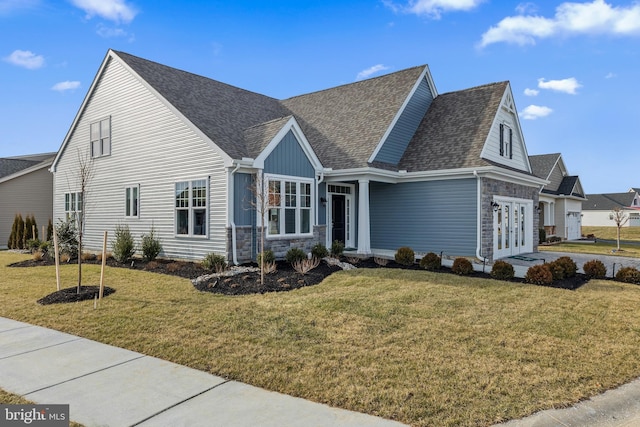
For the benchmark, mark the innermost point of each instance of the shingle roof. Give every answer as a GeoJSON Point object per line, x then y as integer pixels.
{"type": "Point", "coordinates": [11, 166]}
{"type": "Point", "coordinates": [608, 201]}
{"type": "Point", "coordinates": [454, 130]}
{"type": "Point", "coordinates": [542, 165]}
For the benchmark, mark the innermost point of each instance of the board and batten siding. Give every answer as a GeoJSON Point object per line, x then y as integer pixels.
{"type": "Point", "coordinates": [396, 143]}
{"type": "Point", "coordinates": [288, 158]}
{"type": "Point", "coordinates": [150, 147]}
{"type": "Point", "coordinates": [430, 216]}
{"type": "Point", "coordinates": [28, 194]}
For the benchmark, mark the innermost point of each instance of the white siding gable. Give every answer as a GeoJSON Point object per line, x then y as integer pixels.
{"type": "Point", "coordinates": [507, 116]}
{"type": "Point", "coordinates": [152, 147]}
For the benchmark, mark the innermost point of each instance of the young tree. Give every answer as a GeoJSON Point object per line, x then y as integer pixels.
{"type": "Point", "coordinates": [620, 218]}
{"type": "Point", "coordinates": [260, 203]}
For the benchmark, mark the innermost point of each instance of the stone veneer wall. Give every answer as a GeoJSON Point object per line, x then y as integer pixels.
{"type": "Point", "coordinates": [280, 246]}
{"type": "Point", "coordinates": [492, 187]}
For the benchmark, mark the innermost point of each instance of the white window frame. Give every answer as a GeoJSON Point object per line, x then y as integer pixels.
{"type": "Point", "coordinates": [191, 208]}
{"type": "Point", "coordinates": [280, 204]}
{"type": "Point", "coordinates": [506, 141]}
{"type": "Point", "coordinates": [72, 204]}
{"type": "Point", "coordinates": [100, 142]}
{"type": "Point", "coordinates": [132, 204]}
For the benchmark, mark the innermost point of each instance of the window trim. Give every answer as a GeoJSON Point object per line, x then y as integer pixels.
{"type": "Point", "coordinates": [100, 140]}
{"type": "Point", "coordinates": [506, 146]}
{"type": "Point", "coordinates": [128, 204]}
{"type": "Point", "coordinates": [298, 180]}
{"type": "Point", "coordinates": [77, 202]}
{"type": "Point", "coordinates": [191, 209]}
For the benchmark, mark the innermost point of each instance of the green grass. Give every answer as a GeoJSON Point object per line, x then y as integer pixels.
{"type": "Point", "coordinates": [418, 347]}
{"type": "Point", "coordinates": [626, 233]}
{"type": "Point", "coordinates": [598, 248]}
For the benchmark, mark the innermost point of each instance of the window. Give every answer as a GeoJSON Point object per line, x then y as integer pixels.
{"type": "Point", "coordinates": [101, 138]}
{"type": "Point", "coordinates": [191, 207]}
{"type": "Point", "coordinates": [72, 205]}
{"type": "Point", "coordinates": [506, 141]}
{"type": "Point", "coordinates": [132, 201]}
{"type": "Point", "coordinates": [290, 207]}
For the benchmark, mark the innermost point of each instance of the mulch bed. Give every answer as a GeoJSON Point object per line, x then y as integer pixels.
{"type": "Point", "coordinates": [285, 278]}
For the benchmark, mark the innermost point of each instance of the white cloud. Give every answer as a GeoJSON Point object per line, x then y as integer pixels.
{"type": "Point", "coordinates": [433, 8]}
{"type": "Point", "coordinates": [569, 85]}
{"type": "Point", "coordinates": [112, 10]}
{"type": "Point", "coordinates": [109, 32]}
{"type": "Point", "coordinates": [610, 75]}
{"type": "Point", "coordinates": [370, 71]}
{"type": "Point", "coordinates": [531, 92]}
{"type": "Point", "coordinates": [64, 86]}
{"type": "Point", "coordinates": [8, 6]}
{"type": "Point", "coordinates": [596, 17]}
{"type": "Point", "coordinates": [26, 59]}
{"type": "Point", "coordinates": [533, 112]}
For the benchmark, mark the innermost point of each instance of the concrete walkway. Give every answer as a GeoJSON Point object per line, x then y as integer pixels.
{"type": "Point", "coordinates": [110, 386]}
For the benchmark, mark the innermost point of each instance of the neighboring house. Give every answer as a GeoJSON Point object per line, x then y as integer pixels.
{"type": "Point", "coordinates": [377, 164]}
{"type": "Point", "coordinates": [598, 208]}
{"type": "Point", "coordinates": [26, 188]}
{"type": "Point", "coordinates": [561, 199]}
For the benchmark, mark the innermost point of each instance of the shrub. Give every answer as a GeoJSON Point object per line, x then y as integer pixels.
{"type": "Point", "coordinates": [306, 265]}
{"type": "Point", "coordinates": [295, 255]}
{"type": "Point", "coordinates": [33, 245]}
{"type": "Point", "coordinates": [152, 265]}
{"type": "Point", "coordinates": [38, 255]}
{"type": "Point", "coordinates": [539, 275]}
{"type": "Point", "coordinates": [319, 251]}
{"type": "Point", "coordinates": [502, 270]}
{"type": "Point", "coordinates": [174, 266]}
{"type": "Point", "coordinates": [595, 269]}
{"type": "Point", "coordinates": [67, 237]}
{"type": "Point", "coordinates": [44, 246]}
{"type": "Point", "coordinates": [123, 246]}
{"type": "Point", "coordinates": [563, 267]}
{"type": "Point", "coordinates": [628, 275]}
{"type": "Point", "coordinates": [431, 262]}
{"type": "Point", "coordinates": [49, 230]}
{"type": "Point", "coordinates": [86, 256]}
{"type": "Point", "coordinates": [65, 257]}
{"type": "Point", "coordinates": [405, 256]}
{"type": "Point", "coordinates": [380, 261]}
{"type": "Point", "coordinates": [337, 247]}
{"type": "Point", "coordinates": [462, 266]}
{"type": "Point", "coordinates": [151, 245]}
{"type": "Point", "coordinates": [269, 257]}
{"type": "Point", "coordinates": [217, 263]}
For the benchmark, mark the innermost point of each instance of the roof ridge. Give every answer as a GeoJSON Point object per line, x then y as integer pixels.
{"type": "Point", "coordinates": [483, 86]}
{"type": "Point", "coordinates": [269, 121]}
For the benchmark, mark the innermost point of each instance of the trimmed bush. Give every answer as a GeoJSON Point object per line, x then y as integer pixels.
{"type": "Point", "coordinates": [319, 251]}
{"type": "Point", "coordinates": [151, 245]}
{"type": "Point", "coordinates": [462, 266]}
{"type": "Point", "coordinates": [628, 275]}
{"type": "Point", "coordinates": [431, 262]}
{"type": "Point", "coordinates": [539, 275]}
{"type": "Point", "coordinates": [595, 269]}
{"type": "Point", "coordinates": [67, 233]}
{"type": "Point", "coordinates": [568, 266]}
{"type": "Point", "coordinates": [123, 246]}
{"type": "Point", "coordinates": [214, 262]}
{"type": "Point", "coordinates": [295, 255]}
{"type": "Point", "coordinates": [269, 257]}
{"type": "Point", "coordinates": [502, 270]}
{"type": "Point", "coordinates": [405, 256]}
{"type": "Point", "coordinates": [337, 247]}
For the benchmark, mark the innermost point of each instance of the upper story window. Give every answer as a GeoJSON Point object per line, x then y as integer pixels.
{"type": "Point", "coordinates": [101, 138]}
{"type": "Point", "coordinates": [132, 201]}
{"type": "Point", "coordinates": [290, 208]}
{"type": "Point", "coordinates": [72, 205]}
{"type": "Point", "coordinates": [506, 141]}
{"type": "Point", "coordinates": [191, 204]}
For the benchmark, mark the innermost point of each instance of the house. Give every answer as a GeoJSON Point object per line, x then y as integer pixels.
{"type": "Point", "coordinates": [598, 208]}
{"type": "Point", "coordinates": [377, 164]}
{"type": "Point", "coordinates": [560, 205]}
{"type": "Point", "coordinates": [26, 188]}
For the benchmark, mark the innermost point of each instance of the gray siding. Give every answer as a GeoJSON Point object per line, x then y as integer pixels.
{"type": "Point", "coordinates": [401, 134]}
{"type": "Point", "coordinates": [556, 178]}
{"type": "Point", "coordinates": [431, 216]}
{"type": "Point", "coordinates": [243, 212]}
{"type": "Point", "coordinates": [150, 147]}
{"type": "Point", "coordinates": [288, 158]}
{"type": "Point", "coordinates": [29, 194]}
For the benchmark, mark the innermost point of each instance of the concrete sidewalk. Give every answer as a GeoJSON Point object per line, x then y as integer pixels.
{"type": "Point", "coordinates": [110, 386]}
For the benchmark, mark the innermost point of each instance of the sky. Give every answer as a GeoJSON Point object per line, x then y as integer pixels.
{"type": "Point", "coordinates": [574, 67]}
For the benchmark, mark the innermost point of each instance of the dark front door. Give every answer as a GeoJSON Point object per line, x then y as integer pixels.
{"type": "Point", "coordinates": [338, 203]}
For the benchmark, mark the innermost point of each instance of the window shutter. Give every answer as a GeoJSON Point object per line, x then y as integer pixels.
{"type": "Point", "coordinates": [501, 139]}
{"type": "Point", "coordinates": [510, 143]}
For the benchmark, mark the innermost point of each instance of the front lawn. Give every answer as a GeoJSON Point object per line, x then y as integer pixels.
{"type": "Point", "coordinates": [598, 248]}
{"type": "Point", "coordinates": [418, 347]}
{"type": "Point", "coordinates": [609, 233]}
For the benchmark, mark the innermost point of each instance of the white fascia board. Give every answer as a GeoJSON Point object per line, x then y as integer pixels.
{"type": "Point", "coordinates": [425, 74]}
{"type": "Point", "coordinates": [524, 143]}
{"type": "Point", "coordinates": [293, 126]}
{"type": "Point", "coordinates": [26, 171]}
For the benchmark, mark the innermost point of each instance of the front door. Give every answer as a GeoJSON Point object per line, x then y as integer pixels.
{"type": "Point", "coordinates": [338, 217]}
{"type": "Point", "coordinates": [512, 227]}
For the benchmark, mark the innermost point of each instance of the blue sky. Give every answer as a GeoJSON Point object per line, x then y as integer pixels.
{"type": "Point", "coordinates": [574, 67]}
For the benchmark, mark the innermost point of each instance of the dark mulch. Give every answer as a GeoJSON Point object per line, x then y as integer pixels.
{"type": "Point", "coordinates": [285, 278]}
{"type": "Point", "coordinates": [72, 294]}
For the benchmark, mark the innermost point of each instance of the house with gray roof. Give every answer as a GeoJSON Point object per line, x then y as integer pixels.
{"type": "Point", "coordinates": [560, 205]}
{"type": "Point", "coordinates": [377, 164]}
{"type": "Point", "coordinates": [26, 188]}
{"type": "Point", "coordinates": [598, 208]}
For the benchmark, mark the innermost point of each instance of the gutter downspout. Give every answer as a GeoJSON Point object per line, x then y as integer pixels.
{"type": "Point", "coordinates": [318, 182]}
{"type": "Point", "coordinates": [232, 223]}
{"type": "Point", "coordinates": [479, 224]}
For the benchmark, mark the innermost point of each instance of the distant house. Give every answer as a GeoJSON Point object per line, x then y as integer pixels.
{"type": "Point", "coordinates": [560, 206]}
{"type": "Point", "coordinates": [26, 188]}
{"type": "Point", "coordinates": [598, 208]}
{"type": "Point", "coordinates": [376, 164]}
